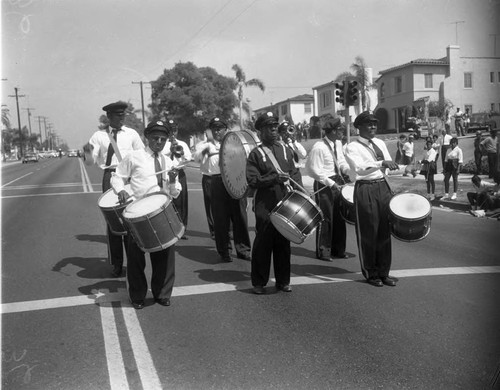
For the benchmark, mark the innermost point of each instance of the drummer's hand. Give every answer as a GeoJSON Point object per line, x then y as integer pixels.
{"type": "Point", "coordinates": [172, 175]}
{"type": "Point", "coordinates": [390, 164]}
{"type": "Point", "coordinates": [283, 177]}
{"type": "Point", "coordinates": [123, 196]}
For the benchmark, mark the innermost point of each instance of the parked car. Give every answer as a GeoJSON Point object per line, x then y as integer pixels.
{"type": "Point", "coordinates": [30, 157]}
{"type": "Point", "coordinates": [73, 153]}
{"type": "Point", "coordinates": [480, 121]}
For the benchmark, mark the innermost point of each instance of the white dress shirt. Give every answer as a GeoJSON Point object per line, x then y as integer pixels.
{"type": "Point", "coordinates": [455, 154]}
{"type": "Point", "coordinates": [127, 140]}
{"type": "Point", "coordinates": [362, 159]}
{"type": "Point", "coordinates": [209, 162]}
{"type": "Point", "coordinates": [430, 155]}
{"type": "Point", "coordinates": [320, 163]}
{"type": "Point", "coordinates": [139, 167]}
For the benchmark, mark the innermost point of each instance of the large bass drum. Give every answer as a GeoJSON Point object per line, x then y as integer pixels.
{"type": "Point", "coordinates": [154, 222]}
{"type": "Point", "coordinates": [234, 151]}
{"type": "Point", "coordinates": [296, 216]}
{"type": "Point", "coordinates": [410, 216]}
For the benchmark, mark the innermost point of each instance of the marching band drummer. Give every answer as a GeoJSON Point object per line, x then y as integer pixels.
{"type": "Point", "coordinates": [139, 167]}
{"type": "Point", "coordinates": [366, 157]}
{"type": "Point", "coordinates": [178, 151]}
{"type": "Point", "coordinates": [269, 168]}
{"type": "Point", "coordinates": [223, 207]}
{"type": "Point", "coordinates": [326, 164]}
{"type": "Point", "coordinates": [100, 151]}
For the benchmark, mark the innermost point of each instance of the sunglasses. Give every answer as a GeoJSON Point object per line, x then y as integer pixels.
{"type": "Point", "coordinates": [159, 139]}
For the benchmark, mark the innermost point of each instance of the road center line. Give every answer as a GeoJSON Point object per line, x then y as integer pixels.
{"type": "Point", "coordinates": [19, 178]}
{"type": "Point", "coordinates": [104, 297]}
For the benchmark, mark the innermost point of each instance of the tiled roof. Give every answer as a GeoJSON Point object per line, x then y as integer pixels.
{"type": "Point", "coordinates": [420, 61]}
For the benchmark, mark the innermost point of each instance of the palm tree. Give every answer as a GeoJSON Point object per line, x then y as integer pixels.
{"type": "Point", "coordinates": [241, 83]}
{"type": "Point", "coordinates": [5, 117]}
{"type": "Point", "coordinates": [361, 76]}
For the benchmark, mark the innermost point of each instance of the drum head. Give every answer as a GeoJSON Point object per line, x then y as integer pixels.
{"type": "Point", "coordinates": [234, 151]}
{"type": "Point", "coordinates": [410, 206]}
{"type": "Point", "coordinates": [348, 192]}
{"type": "Point", "coordinates": [110, 199]}
{"type": "Point", "coordinates": [145, 206]}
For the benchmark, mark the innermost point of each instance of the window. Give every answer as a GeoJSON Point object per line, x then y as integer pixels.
{"type": "Point", "coordinates": [382, 91]}
{"type": "Point", "coordinates": [499, 77]}
{"type": "Point", "coordinates": [492, 77]}
{"type": "Point", "coordinates": [428, 80]}
{"type": "Point", "coordinates": [467, 80]}
{"type": "Point", "coordinates": [492, 107]}
{"type": "Point", "coordinates": [326, 99]}
{"type": "Point", "coordinates": [284, 109]}
{"type": "Point", "coordinates": [398, 84]}
{"type": "Point", "coordinates": [307, 108]}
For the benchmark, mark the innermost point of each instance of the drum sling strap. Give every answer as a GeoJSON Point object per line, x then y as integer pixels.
{"type": "Point", "coordinates": [113, 147]}
{"type": "Point", "coordinates": [273, 160]}
{"type": "Point", "coordinates": [334, 155]}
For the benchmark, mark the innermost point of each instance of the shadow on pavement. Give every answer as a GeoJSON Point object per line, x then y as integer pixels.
{"type": "Point", "coordinates": [92, 238]}
{"type": "Point", "coordinates": [91, 267]}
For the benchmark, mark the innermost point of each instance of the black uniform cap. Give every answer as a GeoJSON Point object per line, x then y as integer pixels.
{"type": "Point", "coordinates": [265, 119]}
{"type": "Point", "coordinates": [116, 107]}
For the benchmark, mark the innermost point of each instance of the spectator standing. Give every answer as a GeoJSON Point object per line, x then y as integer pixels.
{"type": "Point", "coordinates": [459, 128]}
{"type": "Point", "coordinates": [408, 152]}
{"type": "Point", "coordinates": [429, 169]}
{"type": "Point", "coordinates": [466, 118]}
{"type": "Point", "coordinates": [445, 144]}
{"type": "Point", "coordinates": [453, 164]}
{"type": "Point", "coordinates": [489, 147]}
{"type": "Point", "coordinates": [478, 153]}
{"type": "Point", "coordinates": [399, 152]}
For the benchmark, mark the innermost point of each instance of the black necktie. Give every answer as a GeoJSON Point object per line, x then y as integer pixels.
{"type": "Point", "coordinates": [111, 150]}
{"type": "Point", "coordinates": [158, 169]}
{"type": "Point", "coordinates": [336, 161]}
{"type": "Point", "coordinates": [378, 152]}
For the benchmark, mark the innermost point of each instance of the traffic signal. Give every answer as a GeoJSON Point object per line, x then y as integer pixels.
{"type": "Point", "coordinates": [340, 92]}
{"type": "Point", "coordinates": [352, 93]}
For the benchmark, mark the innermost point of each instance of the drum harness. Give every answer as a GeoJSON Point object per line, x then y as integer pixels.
{"type": "Point", "coordinates": [335, 162]}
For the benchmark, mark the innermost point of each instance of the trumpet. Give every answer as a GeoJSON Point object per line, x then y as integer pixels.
{"type": "Point", "coordinates": [176, 149]}
{"type": "Point", "coordinates": [289, 134]}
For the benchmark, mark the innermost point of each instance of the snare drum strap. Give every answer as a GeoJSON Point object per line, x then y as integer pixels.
{"type": "Point", "coordinates": [273, 160]}
{"type": "Point", "coordinates": [335, 162]}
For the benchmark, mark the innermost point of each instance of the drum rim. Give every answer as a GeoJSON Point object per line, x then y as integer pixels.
{"type": "Point", "coordinates": [411, 219]}
{"type": "Point", "coordinates": [152, 213]}
{"type": "Point", "coordinates": [127, 188]}
{"type": "Point", "coordinates": [305, 196]}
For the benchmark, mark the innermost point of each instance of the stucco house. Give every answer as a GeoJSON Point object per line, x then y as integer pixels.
{"type": "Point", "coordinates": [467, 82]}
{"type": "Point", "coordinates": [297, 109]}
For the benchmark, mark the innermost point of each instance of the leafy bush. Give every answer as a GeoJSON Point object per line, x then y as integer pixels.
{"type": "Point", "coordinates": [470, 167]}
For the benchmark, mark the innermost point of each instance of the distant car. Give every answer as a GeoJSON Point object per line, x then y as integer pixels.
{"type": "Point", "coordinates": [30, 157]}
{"type": "Point", "coordinates": [480, 121]}
{"type": "Point", "coordinates": [73, 153]}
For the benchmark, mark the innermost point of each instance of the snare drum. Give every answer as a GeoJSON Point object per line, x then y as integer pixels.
{"type": "Point", "coordinates": [296, 216]}
{"type": "Point", "coordinates": [112, 210]}
{"type": "Point", "coordinates": [347, 209]}
{"type": "Point", "coordinates": [410, 216]}
{"type": "Point", "coordinates": [154, 222]}
{"type": "Point", "coordinates": [234, 150]}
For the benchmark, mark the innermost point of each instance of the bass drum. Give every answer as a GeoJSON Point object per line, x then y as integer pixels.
{"type": "Point", "coordinates": [154, 222]}
{"type": "Point", "coordinates": [234, 151]}
{"type": "Point", "coordinates": [410, 216]}
{"type": "Point", "coordinates": [296, 216]}
{"type": "Point", "coordinates": [112, 210]}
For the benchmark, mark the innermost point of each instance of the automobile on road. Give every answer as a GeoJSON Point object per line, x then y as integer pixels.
{"type": "Point", "coordinates": [30, 157]}
{"type": "Point", "coordinates": [480, 121]}
{"type": "Point", "coordinates": [73, 153]}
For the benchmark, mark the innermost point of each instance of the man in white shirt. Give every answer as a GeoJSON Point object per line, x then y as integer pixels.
{"type": "Point", "coordinates": [408, 151]}
{"type": "Point", "coordinates": [223, 207]}
{"type": "Point", "coordinates": [180, 153]}
{"type": "Point", "coordinates": [139, 168]}
{"type": "Point", "coordinates": [367, 157]}
{"type": "Point", "coordinates": [326, 164]}
{"type": "Point", "coordinates": [100, 150]}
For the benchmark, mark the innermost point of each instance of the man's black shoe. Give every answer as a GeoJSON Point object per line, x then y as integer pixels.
{"type": "Point", "coordinates": [388, 281]}
{"type": "Point", "coordinates": [259, 290]}
{"type": "Point", "coordinates": [227, 258]}
{"type": "Point", "coordinates": [244, 256]}
{"type": "Point", "coordinates": [138, 305]}
{"type": "Point", "coordinates": [163, 301]}
{"type": "Point", "coordinates": [284, 287]}
{"type": "Point", "coordinates": [117, 271]}
{"type": "Point", "coordinates": [341, 256]}
{"type": "Point", "coordinates": [375, 282]}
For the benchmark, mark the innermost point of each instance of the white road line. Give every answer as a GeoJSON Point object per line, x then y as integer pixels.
{"type": "Point", "coordinates": [114, 357]}
{"type": "Point", "coordinates": [84, 184]}
{"type": "Point", "coordinates": [36, 186]}
{"type": "Point", "coordinates": [52, 194]}
{"type": "Point", "coordinates": [101, 297]}
{"type": "Point", "coordinates": [143, 360]}
{"type": "Point", "coordinates": [19, 178]}
{"type": "Point", "coordinates": [85, 176]}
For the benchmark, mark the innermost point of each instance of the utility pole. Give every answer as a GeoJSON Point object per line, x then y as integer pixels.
{"type": "Point", "coordinates": [494, 43]}
{"type": "Point", "coordinates": [40, 129]}
{"type": "Point", "coordinates": [456, 29]}
{"type": "Point", "coordinates": [142, 98]}
{"type": "Point", "coordinates": [17, 96]}
{"type": "Point", "coordinates": [45, 127]}
{"type": "Point", "coordinates": [29, 123]}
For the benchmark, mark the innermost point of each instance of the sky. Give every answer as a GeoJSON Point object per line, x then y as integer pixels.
{"type": "Point", "coordinates": [69, 58]}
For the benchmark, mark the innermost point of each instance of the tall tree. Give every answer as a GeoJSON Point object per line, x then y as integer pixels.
{"type": "Point", "coordinates": [243, 83]}
{"type": "Point", "coordinates": [362, 77]}
{"type": "Point", "coordinates": [191, 96]}
{"type": "Point", "coordinates": [6, 117]}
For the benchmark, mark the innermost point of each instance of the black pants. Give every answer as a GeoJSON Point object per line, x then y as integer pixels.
{"type": "Point", "coordinates": [181, 202]}
{"type": "Point", "coordinates": [224, 210]}
{"type": "Point", "coordinates": [206, 185]}
{"type": "Point", "coordinates": [492, 164]}
{"type": "Point", "coordinates": [478, 156]}
{"type": "Point", "coordinates": [268, 241]}
{"type": "Point", "coordinates": [163, 272]}
{"type": "Point", "coordinates": [331, 233]}
{"type": "Point", "coordinates": [116, 243]}
{"type": "Point", "coordinates": [444, 149]}
{"type": "Point", "coordinates": [373, 233]}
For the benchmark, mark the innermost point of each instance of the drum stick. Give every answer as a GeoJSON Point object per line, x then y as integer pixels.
{"type": "Point", "coordinates": [298, 185]}
{"type": "Point", "coordinates": [180, 166]}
